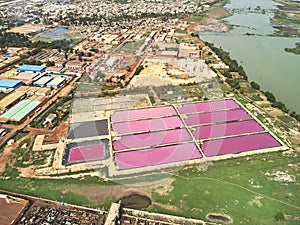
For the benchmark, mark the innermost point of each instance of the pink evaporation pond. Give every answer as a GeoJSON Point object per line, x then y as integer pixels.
{"type": "Point", "coordinates": [152, 139]}
{"type": "Point", "coordinates": [143, 113]}
{"type": "Point", "coordinates": [227, 129]}
{"type": "Point", "coordinates": [208, 106]}
{"type": "Point", "coordinates": [239, 144]}
{"type": "Point", "coordinates": [155, 156]}
{"type": "Point", "coordinates": [215, 117]}
{"type": "Point", "coordinates": [86, 153]}
{"type": "Point", "coordinates": [147, 125]}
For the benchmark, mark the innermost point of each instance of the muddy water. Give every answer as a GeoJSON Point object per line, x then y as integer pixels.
{"type": "Point", "coordinates": [135, 201]}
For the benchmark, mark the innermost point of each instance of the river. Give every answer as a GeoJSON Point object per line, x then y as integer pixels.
{"type": "Point", "coordinates": [262, 55]}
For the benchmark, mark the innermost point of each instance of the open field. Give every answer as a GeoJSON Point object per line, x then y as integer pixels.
{"type": "Point", "coordinates": [240, 188]}
{"type": "Point", "coordinates": [234, 188]}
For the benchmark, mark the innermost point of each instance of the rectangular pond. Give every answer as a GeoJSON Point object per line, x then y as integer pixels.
{"type": "Point", "coordinates": [151, 139]}
{"type": "Point", "coordinates": [216, 117]}
{"type": "Point", "coordinates": [143, 113]}
{"type": "Point", "coordinates": [234, 145]}
{"type": "Point", "coordinates": [88, 129]}
{"type": "Point", "coordinates": [227, 129]}
{"type": "Point", "coordinates": [208, 106]}
{"type": "Point", "coordinates": [147, 125]}
{"type": "Point", "coordinates": [156, 156]}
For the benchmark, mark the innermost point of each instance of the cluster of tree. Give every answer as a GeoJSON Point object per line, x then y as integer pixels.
{"type": "Point", "coordinates": [227, 74]}
{"type": "Point", "coordinates": [255, 85]}
{"type": "Point", "coordinates": [138, 70]}
{"type": "Point", "coordinates": [50, 63]}
{"type": "Point", "coordinates": [274, 103]}
{"type": "Point", "coordinates": [296, 116]}
{"type": "Point", "coordinates": [225, 57]}
{"type": "Point", "coordinates": [94, 50]}
{"type": "Point", "coordinates": [233, 83]}
{"type": "Point", "coordinates": [20, 40]}
{"type": "Point", "coordinates": [32, 62]}
{"type": "Point", "coordinates": [277, 104]}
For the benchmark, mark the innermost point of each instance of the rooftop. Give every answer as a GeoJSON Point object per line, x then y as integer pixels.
{"type": "Point", "coordinates": [33, 68]}
{"type": "Point", "coordinates": [9, 83]}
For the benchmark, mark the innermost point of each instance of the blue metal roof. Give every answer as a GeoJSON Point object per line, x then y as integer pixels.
{"type": "Point", "coordinates": [6, 83]}
{"type": "Point", "coordinates": [32, 68]}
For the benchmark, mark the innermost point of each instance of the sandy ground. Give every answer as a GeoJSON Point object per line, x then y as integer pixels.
{"type": "Point", "coordinates": [274, 112]}
{"type": "Point", "coordinates": [155, 74]}
{"type": "Point", "coordinates": [218, 13]}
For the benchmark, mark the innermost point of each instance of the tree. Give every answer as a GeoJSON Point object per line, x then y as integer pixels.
{"type": "Point", "coordinates": [255, 85]}
{"type": "Point", "coordinates": [293, 114]}
{"type": "Point", "coordinates": [281, 106]}
{"type": "Point", "coordinates": [227, 74]}
{"type": "Point", "coordinates": [138, 70]}
{"type": "Point", "coordinates": [50, 63]}
{"type": "Point", "coordinates": [270, 96]}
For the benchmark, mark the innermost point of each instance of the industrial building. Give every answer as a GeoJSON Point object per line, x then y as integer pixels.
{"type": "Point", "coordinates": [31, 68]}
{"type": "Point", "coordinates": [54, 69]}
{"type": "Point", "coordinates": [43, 81]}
{"type": "Point", "coordinates": [27, 77]}
{"type": "Point", "coordinates": [9, 85]}
{"type": "Point", "coordinates": [20, 111]}
{"type": "Point", "coordinates": [31, 90]}
{"type": "Point", "coordinates": [11, 99]}
{"type": "Point", "coordinates": [75, 65]}
{"type": "Point", "coordinates": [56, 82]}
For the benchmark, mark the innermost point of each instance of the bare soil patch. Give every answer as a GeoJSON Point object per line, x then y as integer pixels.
{"type": "Point", "coordinates": [100, 193]}
{"type": "Point", "coordinates": [218, 13]}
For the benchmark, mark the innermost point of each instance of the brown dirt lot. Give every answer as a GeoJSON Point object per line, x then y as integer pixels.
{"type": "Point", "coordinates": [218, 13]}
{"type": "Point", "coordinates": [100, 193]}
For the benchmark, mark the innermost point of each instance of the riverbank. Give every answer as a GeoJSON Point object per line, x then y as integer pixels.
{"type": "Point", "coordinates": [236, 79]}
{"type": "Point", "coordinates": [251, 42]}
{"type": "Point", "coordinates": [212, 21]}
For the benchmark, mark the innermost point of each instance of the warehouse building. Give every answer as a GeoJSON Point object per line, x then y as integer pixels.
{"type": "Point", "coordinates": [9, 85]}
{"type": "Point", "coordinates": [56, 82]}
{"type": "Point", "coordinates": [31, 68]}
{"type": "Point", "coordinates": [43, 81]}
{"type": "Point", "coordinates": [54, 69]}
{"type": "Point", "coordinates": [75, 65]}
{"type": "Point", "coordinates": [11, 99]}
{"type": "Point", "coordinates": [20, 111]}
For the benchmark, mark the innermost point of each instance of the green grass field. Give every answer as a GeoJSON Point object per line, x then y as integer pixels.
{"type": "Point", "coordinates": [237, 187]}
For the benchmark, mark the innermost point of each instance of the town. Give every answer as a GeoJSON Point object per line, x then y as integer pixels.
{"type": "Point", "coordinates": [113, 92]}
